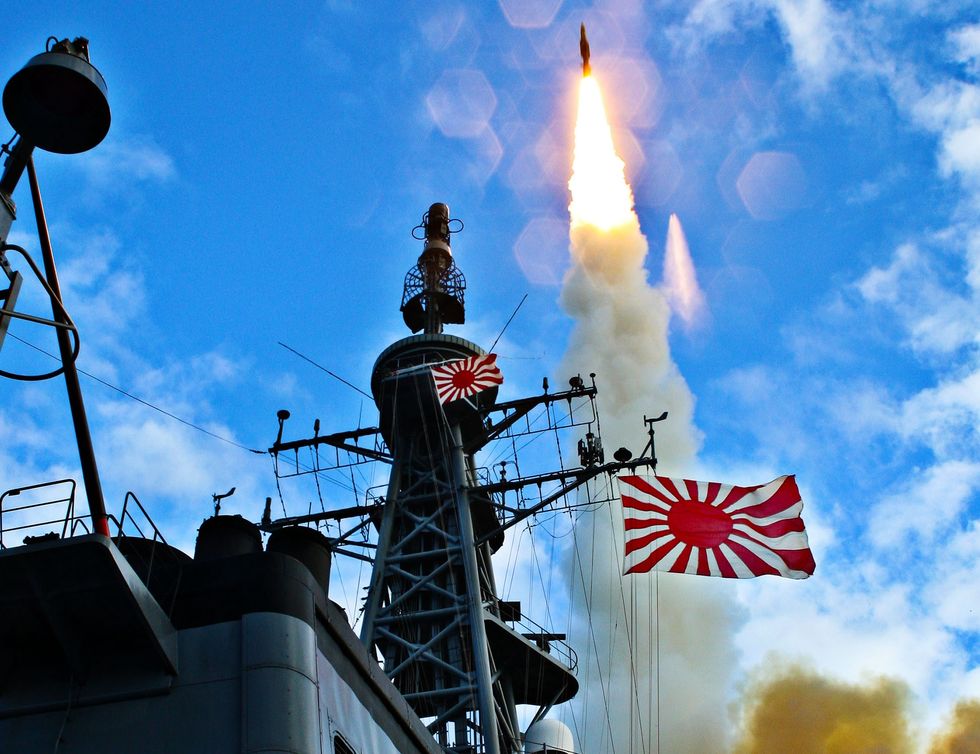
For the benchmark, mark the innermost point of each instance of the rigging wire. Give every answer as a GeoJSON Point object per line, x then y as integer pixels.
{"type": "Point", "coordinates": [141, 400]}
{"type": "Point", "coordinates": [629, 622]}
{"type": "Point", "coordinates": [507, 323]}
{"type": "Point", "coordinates": [318, 366]}
{"type": "Point", "coordinates": [587, 592]}
{"type": "Point", "coordinates": [656, 587]}
{"type": "Point", "coordinates": [315, 452]}
{"type": "Point", "coordinates": [537, 565]}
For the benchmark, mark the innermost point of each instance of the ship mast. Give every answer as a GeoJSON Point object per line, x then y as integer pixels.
{"type": "Point", "coordinates": [433, 616]}
{"type": "Point", "coordinates": [432, 588]}
{"type": "Point", "coordinates": [57, 102]}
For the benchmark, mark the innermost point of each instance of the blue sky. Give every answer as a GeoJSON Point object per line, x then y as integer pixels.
{"type": "Point", "coordinates": [265, 166]}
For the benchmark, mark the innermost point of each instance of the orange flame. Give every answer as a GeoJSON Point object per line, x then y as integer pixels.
{"type": "Point", "coordinates": [601, 196]}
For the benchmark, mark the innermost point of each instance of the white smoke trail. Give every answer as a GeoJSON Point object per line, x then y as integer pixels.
{"type": "Point", "coordinates": [680, 280]}
{"type": "Point", "coordinates": [621, 333]}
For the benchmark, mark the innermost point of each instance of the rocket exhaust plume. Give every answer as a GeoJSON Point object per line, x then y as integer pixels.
{"type": "Point", "coordinates": [620, 331]}
{"type": "Point", "coordinates": [680, 280]}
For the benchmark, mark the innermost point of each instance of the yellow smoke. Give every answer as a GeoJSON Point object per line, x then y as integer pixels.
{"type": "Point", "coordinates": [963, 734]}
{"type": "Point", "coordinates": [789, 708]}
{"type": "Point", "coordinates": [799, 711]}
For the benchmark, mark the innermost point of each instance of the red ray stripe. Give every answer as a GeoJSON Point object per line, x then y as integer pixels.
{"type": "Point", "coordinates": [775, 529]}
{"type": "Point", "coordinates": [798, 560]}
{"type": "Point", "coordinates": [643, 523]}
{"type": "Point", "coordinates": [668, 483]}
{"type": "Point", "coordinates": [692, 489]}
{"type": "Point", "coordinates": [745, 535]}
{"type": "Point", "coordinates": [752, 561]}
{"type": "Point", "coordinates": [723, 565]}
{"type": "Point", "coordinates": [735, 494]}
{"type": "Point", "coordinates": [652, 559]}
{"type": "Point", "coordinates": [703, 568]}
{"type": "Point", "coordinates": [639, 543]}
{"type": "Point", "coordinates": [644, 486]}
{"type": "Point", "coordinates": [787, 495]}
{"type": "Point", "coordinates": [680, 565]}
{"type": "Point", "coordinates": [632, 502]}
{"type": "Point", "coordinates": [713, 489]}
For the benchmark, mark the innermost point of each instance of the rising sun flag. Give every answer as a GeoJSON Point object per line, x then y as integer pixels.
{"type": "Point", "coordinates": [713, 529]}
{"type": "Point", "coordinates": [465, 377]}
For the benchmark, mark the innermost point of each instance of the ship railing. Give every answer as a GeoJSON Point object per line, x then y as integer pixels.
{"type": "Point", "coordinates": [143, 545]}
{"type": "Point", "coordinates": [148, 530]}
{"type": "Point", "coordinates": [552, 643]}
{"type": "Point", "coordinates": [47, 511]}
{"type": "Point", "coordinates": [35, 508]}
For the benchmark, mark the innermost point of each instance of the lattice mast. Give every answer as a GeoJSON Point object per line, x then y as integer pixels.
{"type": "Point", "coordinates": [432, 613]}
{"type": "Point", "coordinates": [432, 588]}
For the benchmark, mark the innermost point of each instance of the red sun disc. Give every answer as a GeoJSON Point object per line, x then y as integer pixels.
{"type": "Point", "coordinates": [699, 524]}
{"type": "Point", "coordinates": [463, 379]}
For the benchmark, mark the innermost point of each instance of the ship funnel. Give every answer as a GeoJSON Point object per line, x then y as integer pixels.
{"type": "Point", "coordinates": [226, 536]}
{"type": "Point", "coordinates": [308, 546]}
{"type": "Point", "coordinates": [59, 101]}
{"type": "Point", "coordinates": [551, 736]}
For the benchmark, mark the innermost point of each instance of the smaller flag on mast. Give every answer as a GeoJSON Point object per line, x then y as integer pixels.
{"type": "Point", "coordinates": [714, 529]}
{"type": "Point", "coordinates": [464, 377]}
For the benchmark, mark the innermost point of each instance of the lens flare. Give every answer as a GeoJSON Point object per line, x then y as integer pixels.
{"type": "Point", "coordinates": [601, 196]}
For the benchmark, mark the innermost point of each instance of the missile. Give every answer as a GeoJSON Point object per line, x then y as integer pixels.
{"type": "Point", "coordinates": [583, 46]}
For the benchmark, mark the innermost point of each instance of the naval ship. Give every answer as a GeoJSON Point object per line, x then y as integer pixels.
{"type": "Point", "coordinates": [112, 640]}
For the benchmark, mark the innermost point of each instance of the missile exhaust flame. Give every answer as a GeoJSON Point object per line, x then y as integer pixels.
{"type": "Point", "coordinates": [601, 196]}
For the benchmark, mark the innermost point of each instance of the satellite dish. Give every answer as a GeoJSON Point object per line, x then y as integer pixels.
{"type": "Point", "coordinates": [59, 101]}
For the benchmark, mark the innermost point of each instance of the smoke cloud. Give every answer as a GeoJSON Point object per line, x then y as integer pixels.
{"type": "Point", "coordinates": [963, 734]}
{"type": "Point", "coordinates": [795, 709]}
{"type": "Point", "coordinates": [621, 333]}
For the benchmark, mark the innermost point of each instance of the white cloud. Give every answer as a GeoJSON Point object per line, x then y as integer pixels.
{"type": "Point", "coordinates": [953, 592]}
{"type": "Point", "coordinates": [966, 45]}
{"type": "Point", "coordinates": [852, 624]}
{"type": "Point", "coordinates": [925, 507]}
{"type": "Point", "coordinates": [121, 161]}
{"type": "Point", "coordinates": [161, 459]}
{"type": "Point", "coordinates": [961, 151]}
{"type": "Point", "coordinates": [720, 17]}
{"type": "Point", "coordinates": [937, 317]}
{"type": "Point", "coordinates": [822, 38]}
{"type": "Point", "coordinates": [946, 416]}
{"type": "Point", "coordinates": [819, 37]}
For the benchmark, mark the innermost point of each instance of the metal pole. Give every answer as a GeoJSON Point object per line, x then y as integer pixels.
{"type": "Point", "coordinates": [86, 453]}
{"type": "Point", "coordinates": [13, 168]}
{"type": "Point", "coordinates": [375, 595]}
{"type": "Point", "coordinates": [478, 629]}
